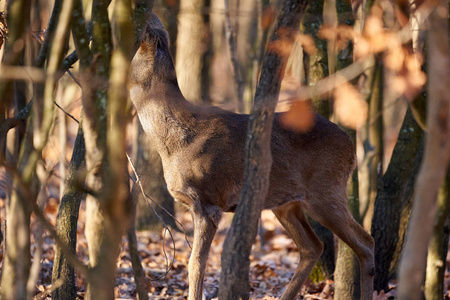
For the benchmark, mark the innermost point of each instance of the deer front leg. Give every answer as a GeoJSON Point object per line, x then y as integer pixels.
{"type": "Point", "coordinates": [205, 220]}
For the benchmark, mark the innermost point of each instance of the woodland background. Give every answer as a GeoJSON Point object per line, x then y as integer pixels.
{"type": "Point", "coordinates": [378, 68]}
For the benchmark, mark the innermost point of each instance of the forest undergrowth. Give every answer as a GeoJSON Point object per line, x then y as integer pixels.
{"type": "Point", "coordinates": [165, 262]}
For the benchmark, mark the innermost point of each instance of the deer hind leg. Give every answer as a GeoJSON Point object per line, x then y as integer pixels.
{"type": "Point", "coordinates": [309, 246]}
{"type": "Point", "coordinates": [336, 216]}
{"type": "Point", "coordinates": [206, 218]}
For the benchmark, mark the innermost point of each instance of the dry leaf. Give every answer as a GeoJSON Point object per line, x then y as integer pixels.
{"type": "Point", "coordinates": [372, 26]}
{"type": "Point", "coordinates": [394, 58]}
{"type": "Point", "coordinates": [268, 17]}
{"type": "Point", "coordinates": [299, 117]}
{"type": "Point", "coordinates": [349, 106]}
{"type": "Point", "coordinates": [307, 43]}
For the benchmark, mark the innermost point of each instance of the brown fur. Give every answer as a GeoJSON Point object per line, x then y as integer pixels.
{"type": "Point", "coordinates": [202, 150]}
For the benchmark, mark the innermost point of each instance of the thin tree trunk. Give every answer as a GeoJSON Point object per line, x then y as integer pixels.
{"type": "Point", "coordinates": [373, 144]}
{"type": "Point", "coordinates": [316, 68]}
{"type": "Point", "coordinates": [234, 283]}
{"type": "Point", "coordinates": [347, 274]}
{"type": "Point", "coordinates": [316, 65]}
{"type": "Point", "coordinates": [138, 271]}
{"type": "Point", "coordinates": [63, 275]}
{"type": "Point", "coordinates": [436, 157]}
{"type": "Point", "coordinates": [438, 247]}
{"type": "Point", "coordinates": [191, 47]}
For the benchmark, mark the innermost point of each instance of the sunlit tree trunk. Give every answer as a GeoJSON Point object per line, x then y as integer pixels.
{"type": "Point", "coordinates": [436, 157]}
{"type": "Point", "coordinates": [438, 247]}
{"type": "Point", "coordinates": [192, 44]}
{"type": "Point", "coordinates": [66, 223]}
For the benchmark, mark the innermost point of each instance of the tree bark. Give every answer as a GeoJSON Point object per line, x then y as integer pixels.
{"type": "Point", "coordinates": [316, 68]}
{"type": "Point", "coordinates": [316, 65]}
{"type": "Point", "coordinates": [347, 273]}
{"type": "Point", "coordinates": [436, 157]}
{"type": "Point", "coordinates": [234, 283]}
{"type": "Point", "coordinates": [438, 247]}
{"type": "Point", "coordinates": [63, 274]}
{"type": "Point", "coordinates": [393, 201]}
{"type": "Point", "coordinates": [373, 144]}
{"type": "Point", "coordinates": [191, 48]}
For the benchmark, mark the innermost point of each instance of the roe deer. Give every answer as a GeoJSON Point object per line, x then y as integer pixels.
{"type": "Point", "coordinates": [202, 152]}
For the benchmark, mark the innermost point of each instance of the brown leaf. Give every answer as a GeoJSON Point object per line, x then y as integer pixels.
{"type": "Point", "coordinates": [349, 106]}
{"type": "Point", "coordinates": [299, 117]}
{"type": "Point", "coordinates": [307, 43]}
{"type": "Point", "coordinates": [268, 17]}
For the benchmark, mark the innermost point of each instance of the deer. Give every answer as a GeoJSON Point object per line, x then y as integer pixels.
{"type": "Point", "coordinates": [202, 153]}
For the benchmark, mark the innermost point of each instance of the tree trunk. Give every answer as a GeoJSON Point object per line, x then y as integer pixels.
{"type": "Point", "coordinates": [149, 169]}
{"type": "Point", "coordinates": [436, 157]}
{"type": "Point", "coordinates": [100, 284]}
{"type": "Point", "coordinates": [347, 274]}
{"type": "Point", "coordinates": [438, 247]}
{"type": "Point", "coordinates": [316, 65]}
{"type": "Point", "coordinates": [373, 144]}
{"type": "Point", "coordinates": [191, 48]}
{"type": "Point", "coordinates": [394, 196]}
{"type": "Point", "coordinates": [63, 274]}
{"type": "Point", "coordinates": [316, 68]}
{"type": "Point", "coordinates": [234, 283]}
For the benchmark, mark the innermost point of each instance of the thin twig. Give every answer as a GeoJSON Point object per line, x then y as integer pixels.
{"type": "Point", "coordinates": [65, 112]}
{"type": "Point", "coordinates": [147, 197]}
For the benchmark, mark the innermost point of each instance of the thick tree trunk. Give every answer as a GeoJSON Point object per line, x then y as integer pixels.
{"type": "Point", "coordinates": [393, 201]}
{"type": "Point", "coordinates": [436, 157]}
{"type": "Point", "coordinates": [63, 274]}
{"type": "Point", "coordinates": [438, 247]}
{"type": "Point", "coordinates": [234, 283]}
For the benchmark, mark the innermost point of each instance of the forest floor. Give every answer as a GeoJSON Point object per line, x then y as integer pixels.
{"type": "Point", "coordinates": [272, 264]}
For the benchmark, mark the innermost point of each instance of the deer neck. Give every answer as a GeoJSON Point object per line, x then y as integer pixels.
{"type": "Point", "coordinates": [166, 117]}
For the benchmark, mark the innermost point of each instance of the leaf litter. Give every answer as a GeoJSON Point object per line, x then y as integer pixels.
{"type": "Point", "coordinates": [273, 261]}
